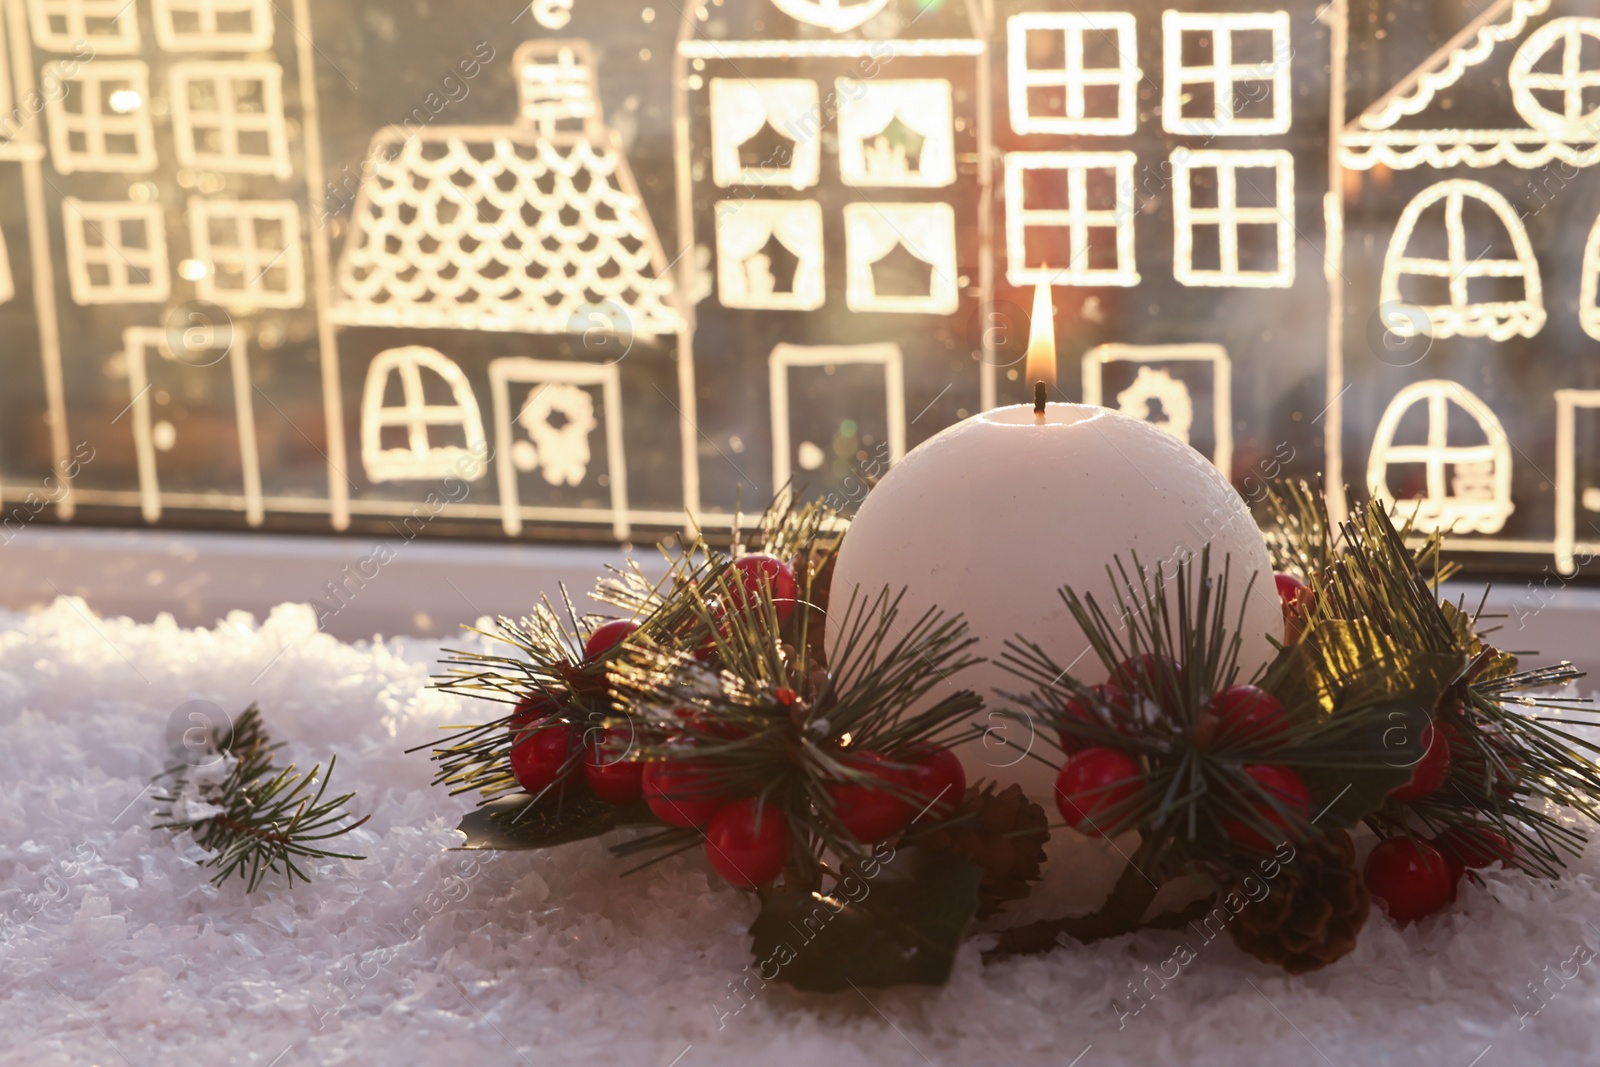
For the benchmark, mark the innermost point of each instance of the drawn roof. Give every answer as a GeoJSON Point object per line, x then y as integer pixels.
{"type": "Point", "coordinates": [1419, 120]}
{"type": "Point", "coordinates": [535, 227]}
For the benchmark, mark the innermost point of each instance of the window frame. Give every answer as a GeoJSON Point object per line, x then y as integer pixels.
{"type": "Point", "coordinates": [246, 256]}
{"type": "Point", "coordinates": [1223, 75]}
{"type": "Point", "coordinates": [223, 74]}
{"type": "Point", "coordinates": [1076, 215]}
{"type": "Point", "coordinates": [1228, 216]}
{"type": "Point", "coordinates": [78, 214]}
{"type": "Point", "coordinates": [1074, 77]}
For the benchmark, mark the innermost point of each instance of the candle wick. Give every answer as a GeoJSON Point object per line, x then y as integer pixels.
{"type": "Point", "coordinates": [1038, 402]}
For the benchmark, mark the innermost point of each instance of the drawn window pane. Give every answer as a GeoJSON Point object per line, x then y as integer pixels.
{"type": "Point", "coordinates": [228, 116]}
{"type": "Point", "coordinates": [1166, 385]}
{"type": "Point", "coordinates": [896, 133]}
{"type": "Point", "coordinates": [251, 251]}
{"type": "Point", "coordinates": [1233, 215]}
{"type": "Point", "coordinates": [765, 132]}
{"type": "Point", "coordinates": [116, 252]}
{"type": "Point", "coordinates": [769, 254]}
{"type": "Point", "coordinates": [1069, 218]}
{"type": "Point", "coordinates": [1555, 78]}
{"type": "Point", "coordinates": [406, 437]}
{"type": "Point", "coordinates": [901, 258]}
{"type": "Point", "coordinates": [1460, 254]}
{"type": "Point", "coordinates": [100, 120]}
{"type": "Point", "coordinates": [108, 26]}
{"type": "Point", "coordinates": [1074, 73]}
{"type": "Point", "coordinates": [213, 25]}
{"type": "Point", "coordinates": [1442, 456]}
{"type": "Point", "coordinates": [1225, 75]}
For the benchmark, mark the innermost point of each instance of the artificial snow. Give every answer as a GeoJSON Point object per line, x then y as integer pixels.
{"type": "Point", "coordinates": [116, 948]}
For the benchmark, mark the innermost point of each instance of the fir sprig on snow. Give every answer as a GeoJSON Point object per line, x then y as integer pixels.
{"type": "Point", "coordinates": [253, 817]}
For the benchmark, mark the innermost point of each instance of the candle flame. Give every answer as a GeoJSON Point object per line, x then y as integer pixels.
{"type": "Point", "coordinates": [1042, 339]}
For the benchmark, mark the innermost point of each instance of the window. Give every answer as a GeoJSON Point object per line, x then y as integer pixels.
{"type": "Point", "coordinates": [213, 25]}
{"type": "Point", "coordinates": [229, 117]}
{"type": "Point", "coordinates": [896, 133]}
{"type": "Point", "coordinates": [923, 281]}
{"type": "Point", "coordinates": [109, 26]}
{"type": "Point", "coordinates": [1073, 73]}
{"type": "Point", "coordinates": [421, 457]}
{"type": "Point", "coordinates": [769, 254]}
{"type": "Point", "coordinates": [555, 86]}
{"type": "Point", "coordinates": [1564, 101]}
{"type": "Point", "coordinates": [1466, 483]}
{"type": "Point", "coordinates": [100, 121]}
{"type": "Point", "coordinates": [1233, 214]}
{"type": "Point", "coordinates": [1167, 388]}
{"type": "Point", "coordinates": [116, 252]}
{"type": "Point", "coordinates": [765, 132]}
{"type": "Point", "coordinates": [1470, 291]}
{"type": "Point", "coordinates": [1069, 218]}
{"type": "Point", "coordinates": [1225, 74]}
{"type": "Point", "coordinates": [251, 249]}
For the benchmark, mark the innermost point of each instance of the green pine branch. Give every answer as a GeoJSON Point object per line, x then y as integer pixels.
{"type": "Point", "coordinates": [257, 819]}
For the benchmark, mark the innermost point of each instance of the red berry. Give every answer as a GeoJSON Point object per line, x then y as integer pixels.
{"type": "Point", "coordinates": [1092, 785]}
{"type": "Point", "coordinates": [610, 774]}
{"type": "Point", "coordinates": [1246, 713]}
{"type": "Point", "coordinates": [1283, 786]}
{"type": "Point", "coordinates": [1429, 772]}
{"type": "Point", "coordinates": [533, 706]}
{"type": "Point", "coordinates": [540, 756]}
{"type": "Point", "coordinates": [760, 571]}
{"type": "Point", "coordinates": [937, 777]}
{"type": "Point", "coordinates": [606, 636]}
{"type": "Point", "coordinates": [1410, 877]}
{"type": "Point", "coordinates": [871, 813]}
{"type": "Point", "coordinates": [1472, 846]}
{"type": "Point", "coordinates": [679, 794]}
{"type": "Point", "coordinates": [748, 842]}
{"type": "Point", "coordinates": [1110, 693]}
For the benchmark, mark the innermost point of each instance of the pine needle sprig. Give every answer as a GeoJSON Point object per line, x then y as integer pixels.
{"type": "Point", "coordinates": [1170, 645]}
{"type": "Point", "coordinates": [255, 819]}
{"type": "Point", "coordinates": [766, 719]}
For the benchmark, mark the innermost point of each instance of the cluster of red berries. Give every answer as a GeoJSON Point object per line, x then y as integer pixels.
{"type": "Point", "coordinates": [1096, 783]}
{"type": "Point", "coordinates": [1415, 877]}
{"type": "Point", "coordinates": [747, 842]}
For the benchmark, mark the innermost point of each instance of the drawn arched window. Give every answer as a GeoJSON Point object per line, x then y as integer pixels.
{"type": "Point", "coordinates": [1555, 78]}
{"type": "Point", "coordinates": [1456, 485]}
{"type": "Point", "coordinates": [1476, 289]}
{"type": "Point", "coordinates": [397, 395]}
{"type": "Point", "coordinates": [1589, 297]}
{"type": "Point", "coordinates": [840, 16]}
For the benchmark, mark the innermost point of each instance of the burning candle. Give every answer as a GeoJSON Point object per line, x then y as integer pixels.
{"type": "Point", "coordinates": [1041, 363]}
{"type": "Point", "coordinates": [990, 517]}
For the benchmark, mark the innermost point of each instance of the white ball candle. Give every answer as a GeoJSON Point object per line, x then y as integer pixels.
{"type": "Point", "coordinates": [992, 516]}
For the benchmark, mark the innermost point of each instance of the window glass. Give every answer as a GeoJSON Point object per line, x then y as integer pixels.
{"type": "Point", "coordinates": [581, 270]}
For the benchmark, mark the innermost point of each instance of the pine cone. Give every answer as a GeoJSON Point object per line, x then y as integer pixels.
{"type": "Point", "coordinates": [1313, 910]}
{"type": "Point", "coordinates": [1003, 833]}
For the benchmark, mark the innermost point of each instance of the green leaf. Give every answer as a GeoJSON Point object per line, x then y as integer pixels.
{"type": "Point", "coordinates": [889, 921]}
{"type": "Point", "coordinates": [521, 822]}
{"type": "Point", "coordinates": [1367, 753]}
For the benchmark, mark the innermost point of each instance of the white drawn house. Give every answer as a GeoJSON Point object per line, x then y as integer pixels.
{"type": "Point", "coordinates": [498, 289]}
{"type": "Point", "coordinates": [1476, 209]}
{"type": "Point", "coordinates": [834, 184]}
{"type": "Point", "coordinates": [1162, 175]}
